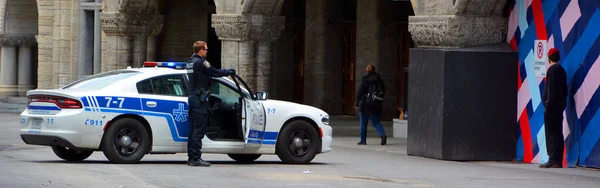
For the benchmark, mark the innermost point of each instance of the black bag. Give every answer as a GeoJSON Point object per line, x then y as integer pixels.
{"type": "Point", "coordinates": [374, 94]}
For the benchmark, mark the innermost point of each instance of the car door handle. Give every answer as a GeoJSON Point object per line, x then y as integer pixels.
{"type": "Point", "coordinates": [151, 104]}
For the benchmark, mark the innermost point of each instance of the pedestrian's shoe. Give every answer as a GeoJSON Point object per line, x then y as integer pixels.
{"type": "Point", "coordinates": [362, 143]}
{"type": "Point", "coordinates": [383, 140]}
{"type": "Point", "coordinates": [198, 162]}
{"type": "Point", "coordinates": [551, 165]}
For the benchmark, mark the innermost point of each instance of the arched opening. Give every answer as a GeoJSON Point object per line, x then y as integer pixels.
{"type": "Point", "coordinates": [18, 46]}
{"type": "Point", "coordinates": [187, 21]}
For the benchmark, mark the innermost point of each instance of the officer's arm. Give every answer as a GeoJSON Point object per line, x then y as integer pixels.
{"type": "Point", "coordinates": [211, 71]}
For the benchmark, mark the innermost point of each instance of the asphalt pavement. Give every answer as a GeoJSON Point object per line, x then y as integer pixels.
{"type": "Point", "coordinates": [348, 165]}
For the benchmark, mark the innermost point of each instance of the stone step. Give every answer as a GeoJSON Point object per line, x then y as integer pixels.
{"type": "Point", "coordinates": [12, 107]}
{"type": "Point", "coordinates": [13, 100]}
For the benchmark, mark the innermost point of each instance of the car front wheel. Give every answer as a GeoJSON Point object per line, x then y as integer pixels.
{"type": "Point", "coordinates": [126, 141]}
{"type": "Point", "coordinates": [298, 143]}
{"type": "Point", "coordinates": [71, 154]}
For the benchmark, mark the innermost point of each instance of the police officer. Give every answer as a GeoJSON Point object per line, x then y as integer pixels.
{"type": "Point", "coordinates": [199, 73]}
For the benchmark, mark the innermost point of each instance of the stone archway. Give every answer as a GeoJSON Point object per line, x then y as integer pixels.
{"type": "Point", "coordinates": [131, 28]}
{"type": "Point", "coordinates": [247, 29]}
{"type": "Point", "coordinates": [18, 27]}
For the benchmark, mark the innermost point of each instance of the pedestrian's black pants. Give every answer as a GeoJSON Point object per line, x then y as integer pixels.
{"type": "Point", "coordinates": [554, 138]}
{"type": "Point", "coordinates": [198, 113]}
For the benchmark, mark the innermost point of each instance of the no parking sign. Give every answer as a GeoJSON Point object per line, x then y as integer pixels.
{"type": "Point", "coordinates": [540, 58]}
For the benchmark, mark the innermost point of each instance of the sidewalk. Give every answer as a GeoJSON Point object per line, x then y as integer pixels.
{"type": "Point", "coordinates": [394, 145]}
{"type": "Point", "coordinates": [346, 125]}
{"type": "Point", "coordinates": [14, 105]}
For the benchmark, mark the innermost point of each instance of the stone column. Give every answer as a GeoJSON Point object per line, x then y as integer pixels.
{"type": "Point", "coordinates": [25, 76]}
{"type": "Point", "coordinates": [151, 49]}
{"type": "Point", "coordinates": [8, 66]}
{"type": "Point", "coordinates": [323, 79]}
{"type": "Point", "coordinates": [9, 63]}
{"type": "Point", "coordinates": [127, 38]}
{"type": "Point", "coordinates": [247, 45]}
{"type": "Point", "coordinates": [367, 37]}
{"type": "Point", "coordinates": [97, 42]}
{"type": "Point", "coordinates": [463, 82]}
{"type": "Point", "coordinates": [140, 47]}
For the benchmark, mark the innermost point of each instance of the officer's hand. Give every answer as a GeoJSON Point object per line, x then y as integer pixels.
{"type": "Point", "coordinates": [231, 71]}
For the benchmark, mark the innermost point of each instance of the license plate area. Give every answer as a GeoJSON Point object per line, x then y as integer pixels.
{"type": "Point", "coordinates": [36, 123]}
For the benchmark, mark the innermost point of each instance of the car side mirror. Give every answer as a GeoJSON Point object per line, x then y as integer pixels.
{"type": "Point", "coordinates": [262, 95]}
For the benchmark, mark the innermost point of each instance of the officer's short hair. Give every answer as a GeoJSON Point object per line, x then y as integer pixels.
{"type": "Point", "coordinates": [199, 45]}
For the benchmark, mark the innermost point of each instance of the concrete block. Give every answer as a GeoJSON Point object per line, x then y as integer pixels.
{"type": "Point", "coordinates": [400, 128]}
{"type": "Point", "coordinates": [462, 103]}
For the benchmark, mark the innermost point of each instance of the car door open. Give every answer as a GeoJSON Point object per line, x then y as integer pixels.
{"type": "Point", "coordinates": [254, 127]}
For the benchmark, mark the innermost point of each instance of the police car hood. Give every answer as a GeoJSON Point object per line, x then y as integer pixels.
{"type": "Point", "coordinates": [290, 109]}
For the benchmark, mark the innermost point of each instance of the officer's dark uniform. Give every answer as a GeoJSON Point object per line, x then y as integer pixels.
{"type": "Point", "coordinates": [199, 73]}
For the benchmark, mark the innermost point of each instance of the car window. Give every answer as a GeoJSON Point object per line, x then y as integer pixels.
{"type": "Point", "coordinates": [223, 90]}
{"type": "Point", "coordinates": [172, 85]}
{"type": "Point", "coordinates": [101, 80]}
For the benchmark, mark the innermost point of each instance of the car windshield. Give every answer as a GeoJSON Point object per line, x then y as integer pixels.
{"type": "Point", "coordinates": [101, 80]}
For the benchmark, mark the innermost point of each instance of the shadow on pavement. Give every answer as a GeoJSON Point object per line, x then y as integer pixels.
{"type": "Point", "coordinates": [172, 162]}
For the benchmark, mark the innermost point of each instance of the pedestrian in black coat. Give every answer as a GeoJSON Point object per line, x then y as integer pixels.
{"type": "Point", "coordinates": [554, 99]}
{"type": "Point", "coordinates": [372, 110]}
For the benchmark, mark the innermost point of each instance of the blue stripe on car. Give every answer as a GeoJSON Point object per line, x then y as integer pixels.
{"type": "Point", "coordinates": [43, 108]}
{"type": "Point", "coordinates": [163, 109]}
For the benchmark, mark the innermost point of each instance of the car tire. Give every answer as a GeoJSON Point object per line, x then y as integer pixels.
{"type": "Point", "coordinates": [70, 154]}
{"type": "Point", "coordinates": [244, 158]}
{"type": "Point", "coordinates": [126, 141]}
{"type": "Point", "coordinates": [297, 143]}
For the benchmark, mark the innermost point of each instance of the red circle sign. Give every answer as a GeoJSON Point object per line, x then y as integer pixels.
{"type": "Point", "coordinates": [540, 50]}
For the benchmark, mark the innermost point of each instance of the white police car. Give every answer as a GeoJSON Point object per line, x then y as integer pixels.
{"type": "Point", "coordinates": [132, 112]}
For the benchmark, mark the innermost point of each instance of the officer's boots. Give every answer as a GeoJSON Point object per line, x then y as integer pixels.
{"type": "Point", "coordinates": [198, 162]}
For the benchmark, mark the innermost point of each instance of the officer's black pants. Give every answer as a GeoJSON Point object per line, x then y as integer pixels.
{"type": "Point", "coordinates": [553, 120]}
{"type": "Point", "coordinates": [198, 113]}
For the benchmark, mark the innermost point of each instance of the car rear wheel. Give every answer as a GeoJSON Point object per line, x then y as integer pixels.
{"type": "Point", "coordinates": [71, 154]}
{"type": "Point", "coordinates": [297, 143]}
{"type": "Point", "coordinates": [244, 158]}
{"type": "Point", "coordinates": [126, 141]}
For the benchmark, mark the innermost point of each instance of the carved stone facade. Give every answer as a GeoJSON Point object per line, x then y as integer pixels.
{"type": "Point", "coordinates": [115, 23]}
{"type": "Point", "coordinates": [17, 40]}
{"type": "Point", "coordinates": [457, 31]}
{"type": "Point", "coordinates": [248, 27]}
{"type": "Point", "coordinates": [460, 23]}
{"type": "Point", "coordinates": [130, 33]}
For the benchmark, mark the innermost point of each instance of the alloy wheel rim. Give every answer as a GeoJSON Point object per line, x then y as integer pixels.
{"type": "Point", "coordinates": [127, 141]}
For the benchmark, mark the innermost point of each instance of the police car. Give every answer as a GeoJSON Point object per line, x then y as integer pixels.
{"type": "Point", "coordinates": [132, 112]}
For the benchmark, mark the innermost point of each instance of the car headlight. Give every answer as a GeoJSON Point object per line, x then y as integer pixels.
{"type": "Point", "coordinates": [325, 119]}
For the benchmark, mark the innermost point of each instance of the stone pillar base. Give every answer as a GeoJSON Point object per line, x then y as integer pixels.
{"type": "Point", "coordinates": [451, 31]}
{"type": "Point", "coordinates": [22, 89]}
{"type": "Point", "coordinates": [9, 90]}
{"type": "Point", "coordinates": [459, 116]}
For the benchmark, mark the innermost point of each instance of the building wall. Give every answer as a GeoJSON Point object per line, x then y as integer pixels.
{"type": "Point", "coordinates": [185, 22]}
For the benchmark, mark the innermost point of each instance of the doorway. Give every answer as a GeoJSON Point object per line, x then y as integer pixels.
{"type": "Point", "coordinates": [299, 62]}
{"type": "Point", "coordinates": [349, 94]}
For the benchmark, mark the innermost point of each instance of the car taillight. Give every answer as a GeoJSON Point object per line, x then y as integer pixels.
{"type": "Point", "coordinates": [61, 102]}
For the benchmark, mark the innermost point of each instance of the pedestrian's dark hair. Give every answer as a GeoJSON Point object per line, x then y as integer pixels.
{"type": "Point", "coordinates": [199, 45]}
{"type": "Point", "coordinates": [554, 57]}
{"type": "Point", "coordinates": [372, 67]}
